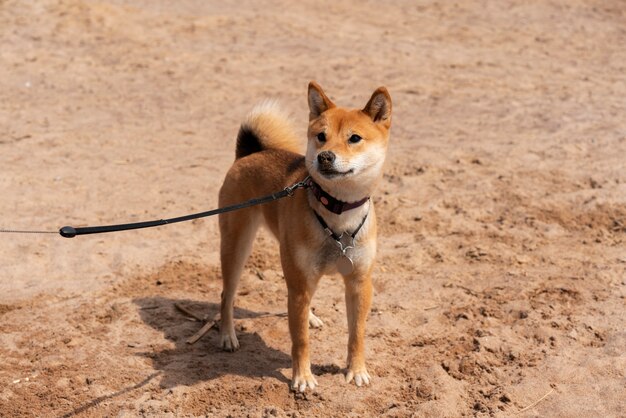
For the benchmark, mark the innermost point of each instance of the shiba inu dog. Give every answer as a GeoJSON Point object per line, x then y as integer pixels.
{"type": "Point", "coordinates": [329, 227]}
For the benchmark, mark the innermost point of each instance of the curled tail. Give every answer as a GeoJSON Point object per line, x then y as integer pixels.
{"type": "Point", "coordinates": [266, 127]}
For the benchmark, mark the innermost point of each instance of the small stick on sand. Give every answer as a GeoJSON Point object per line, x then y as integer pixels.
{"type": "Point", "coordinates": [536, 402]}
{"type": "Point", "coordinates": [259, 274]}
{"type": "Point", "coordinates": [205, 328]}
{"type": "Point", "coordinates": [267, 314]}
{"type": "Point", "coordinates": [190, 313]}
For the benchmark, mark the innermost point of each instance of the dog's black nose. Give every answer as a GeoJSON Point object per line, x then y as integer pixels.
{"type": "Point", "coordinates": [325, 158]}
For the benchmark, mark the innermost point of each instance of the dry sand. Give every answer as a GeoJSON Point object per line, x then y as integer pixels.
{"type": "Point", "coordinates": [501, 277]}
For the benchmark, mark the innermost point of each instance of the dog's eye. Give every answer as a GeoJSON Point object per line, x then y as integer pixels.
{"type": "Point", "coordinates": [321, 137]}
{"type": "Point", "coordinates": [355, 138]}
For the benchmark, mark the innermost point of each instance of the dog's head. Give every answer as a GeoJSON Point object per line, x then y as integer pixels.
{"type": "Point", "coordinates": [347, 147]}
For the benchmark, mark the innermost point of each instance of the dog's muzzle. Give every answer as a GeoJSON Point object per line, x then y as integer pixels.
{"type": "Point", "coordinates": [326, 160]}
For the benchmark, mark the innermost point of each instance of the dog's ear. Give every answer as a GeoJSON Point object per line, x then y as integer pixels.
{"type": "Point", "coordinates": [318, 101]}
{"type": "Point", "coordinates": [379, 107]}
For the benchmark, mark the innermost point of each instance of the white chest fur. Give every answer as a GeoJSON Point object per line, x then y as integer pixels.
{"type": "Point", "coordinates": [323, 254]}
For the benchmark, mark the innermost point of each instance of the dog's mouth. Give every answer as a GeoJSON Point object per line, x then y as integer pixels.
{"type": "Point", "coordinates": [332, 173]}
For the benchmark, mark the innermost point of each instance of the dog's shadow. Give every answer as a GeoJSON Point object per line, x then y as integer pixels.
{"type": "Point", "coordinates": [187, 364]}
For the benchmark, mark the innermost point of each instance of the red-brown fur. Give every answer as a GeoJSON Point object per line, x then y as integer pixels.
{"type": "Point", "coordinates": [267, 163]}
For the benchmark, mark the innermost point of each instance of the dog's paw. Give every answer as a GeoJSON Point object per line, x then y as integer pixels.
{"type": "Point", "coordinates": [229, 342]}
{"type": "Point", "coordinates": [302, 381]}
{"type": "Point", "coordinates": [314, 321]}
{"type": "Point", "coordinates": [359, 375]}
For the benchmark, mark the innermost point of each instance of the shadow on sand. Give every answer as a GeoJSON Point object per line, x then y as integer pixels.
{"type": "Point", "coordinates": [186, 364]}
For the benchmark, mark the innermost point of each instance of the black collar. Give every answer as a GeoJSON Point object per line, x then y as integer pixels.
{"type": "Point", "coordinates": [329, 202]}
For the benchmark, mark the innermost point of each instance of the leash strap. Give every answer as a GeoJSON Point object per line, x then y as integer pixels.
{"type": "Point", "coordinates": [71, 232]}
{"type": "Point", "coordinates": [332, 233]}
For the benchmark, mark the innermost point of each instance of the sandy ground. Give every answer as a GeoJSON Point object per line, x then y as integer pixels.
{"type": "Point", "coordinates": [500, 285]}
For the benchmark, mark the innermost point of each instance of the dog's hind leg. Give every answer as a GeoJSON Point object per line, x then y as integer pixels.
{"type": "Point", "coordinates": [237, 231]}
{"type": "Point", "coordinates": [314, 321]}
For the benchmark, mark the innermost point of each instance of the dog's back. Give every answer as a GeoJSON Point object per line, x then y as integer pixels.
{"type": "Point", "coordinates": [268, 157]}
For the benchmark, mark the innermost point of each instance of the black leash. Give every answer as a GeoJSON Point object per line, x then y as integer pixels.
{"type": "Point", "coordinates": [71, 232]}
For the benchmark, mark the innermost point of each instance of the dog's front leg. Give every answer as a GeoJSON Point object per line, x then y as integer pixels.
{"type": "Point", "coordinates": [298, 311]}
{"type": "Point", "coordinates": [358, 302]}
